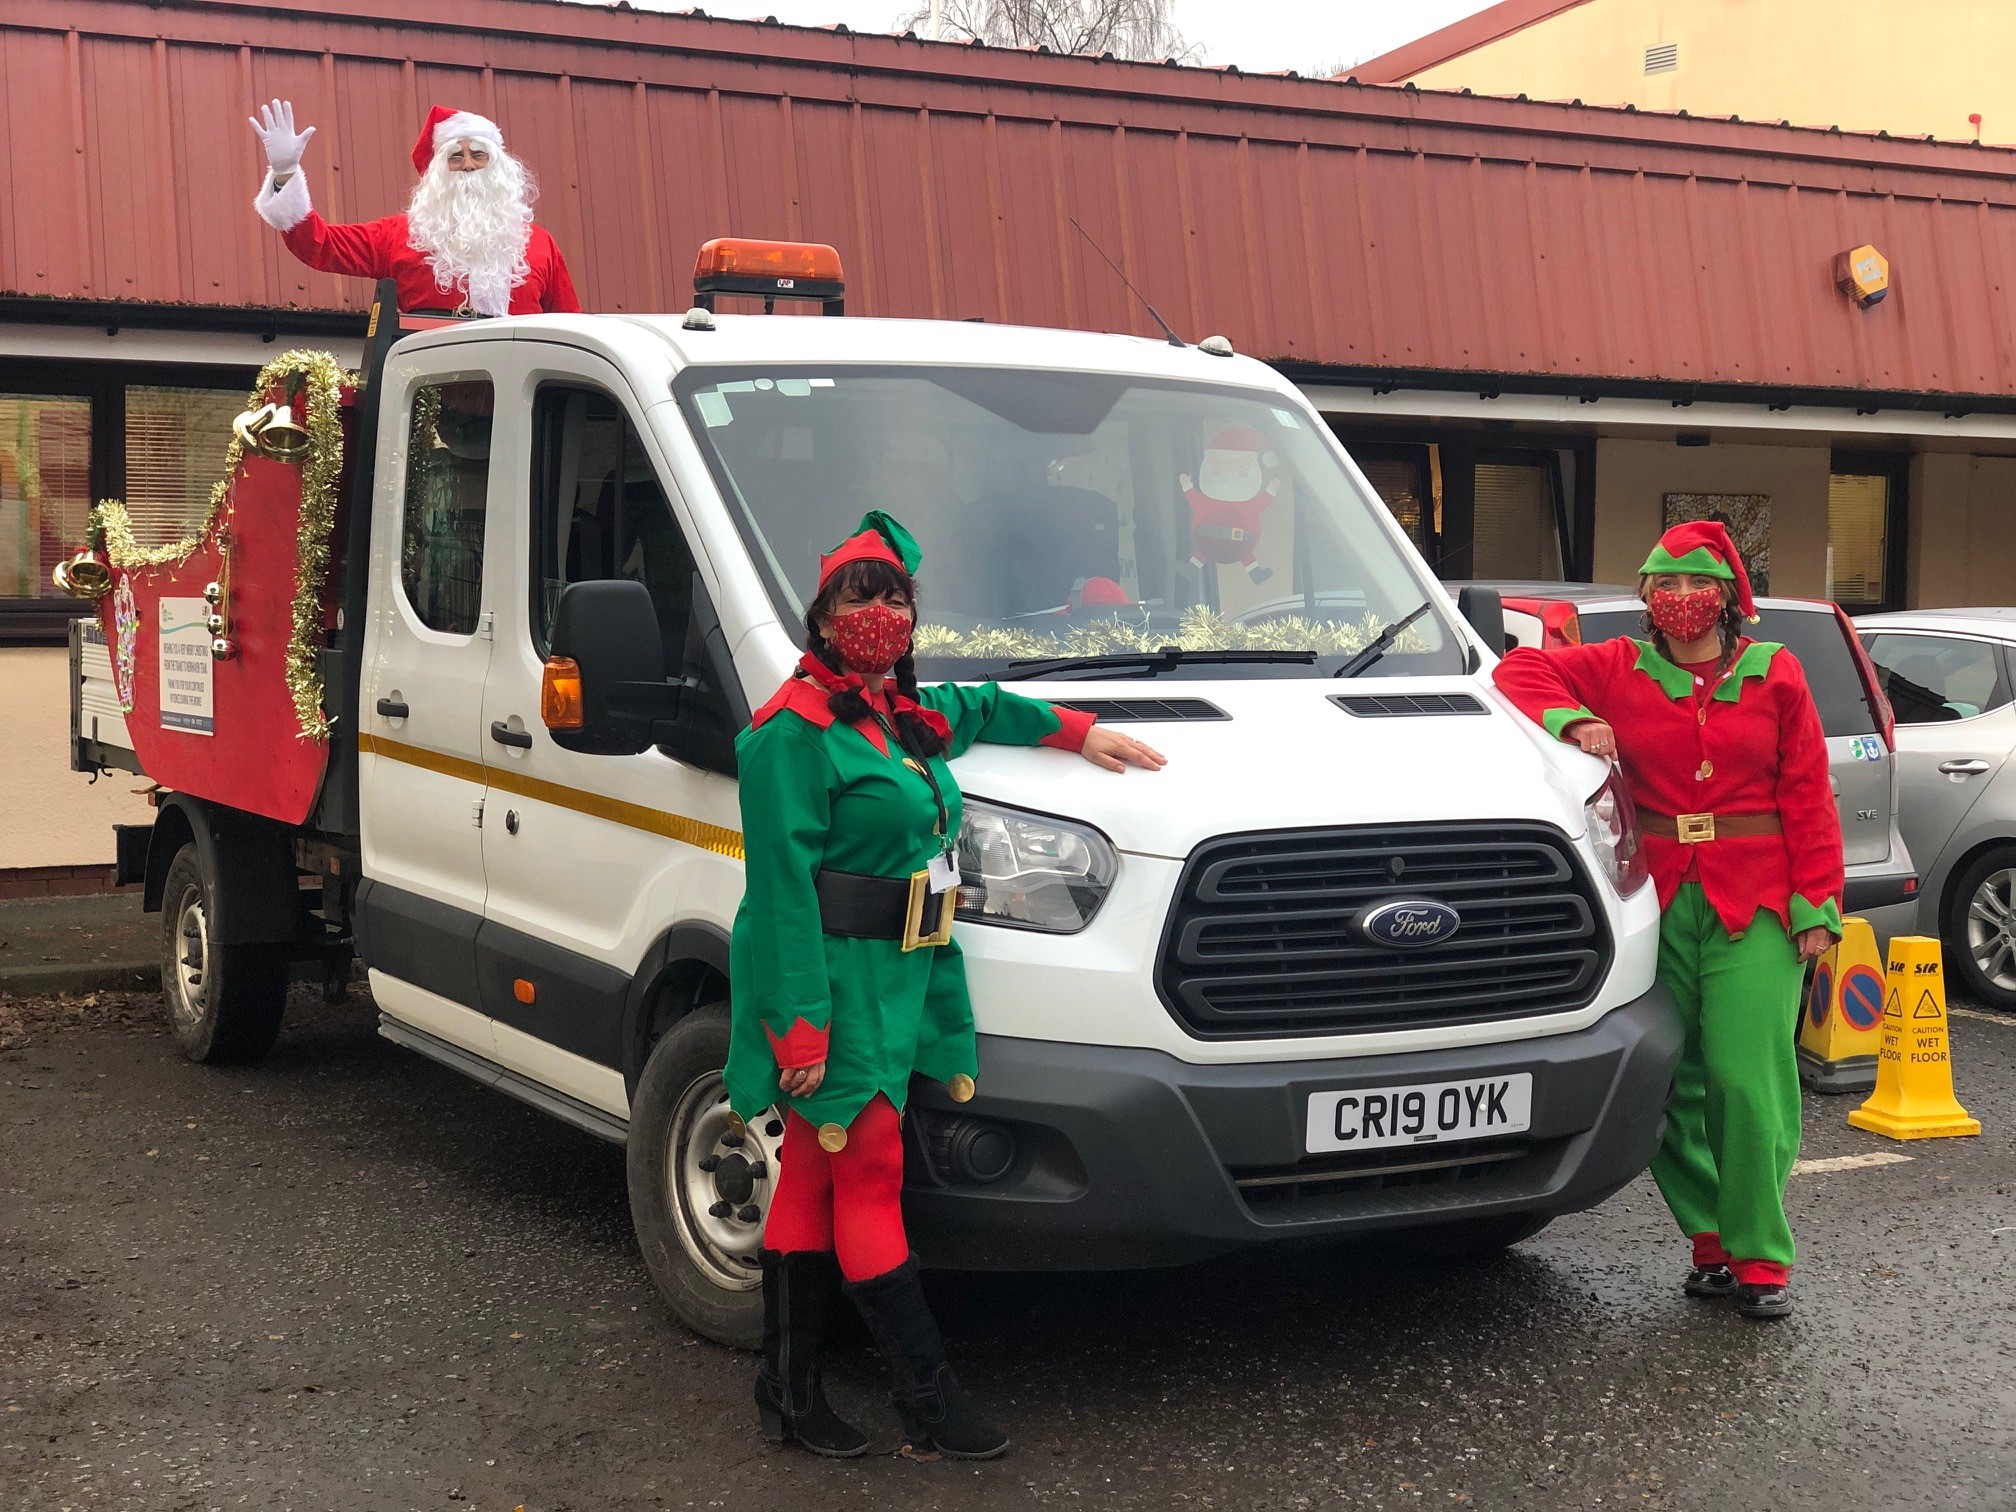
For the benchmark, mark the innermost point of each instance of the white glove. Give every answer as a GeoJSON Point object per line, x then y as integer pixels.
{"type": "Point", "coordinates": [284, 146]}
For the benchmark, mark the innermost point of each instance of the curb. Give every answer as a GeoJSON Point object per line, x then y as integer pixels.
{"type": "Point", "coordinates": [99, 976]}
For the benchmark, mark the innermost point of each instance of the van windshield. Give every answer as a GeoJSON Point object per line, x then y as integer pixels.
{"type": "Point", "coordinates": [1072, 515]}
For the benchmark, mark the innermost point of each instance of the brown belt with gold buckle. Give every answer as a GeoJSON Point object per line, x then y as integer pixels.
{"type": "Point", "coordinates": [1692, 829]}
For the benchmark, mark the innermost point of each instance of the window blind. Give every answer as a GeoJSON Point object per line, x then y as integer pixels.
{"type": "Point", "coordinates": [175, 440]}
{"type": "Point", "coordinates": [1858, 519]}
{"type": "Point", "coordinates": [45, 488]}
{"type": "Point", "coordinates": [1516, 533]}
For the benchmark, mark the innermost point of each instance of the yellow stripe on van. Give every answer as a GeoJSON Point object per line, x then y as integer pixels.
{"type": "Point", "coordinates": [714, 838]}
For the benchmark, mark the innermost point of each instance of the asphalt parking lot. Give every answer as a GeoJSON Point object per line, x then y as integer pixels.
{"type": "Point", "coordinates": [347, 1278]}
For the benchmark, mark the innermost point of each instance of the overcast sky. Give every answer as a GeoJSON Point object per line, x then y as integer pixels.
{"type": "Point", "coordinates": [1309, 36]}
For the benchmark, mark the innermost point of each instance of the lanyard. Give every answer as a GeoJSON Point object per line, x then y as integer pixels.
{"type": "Point", "coordinates": [922, 768]}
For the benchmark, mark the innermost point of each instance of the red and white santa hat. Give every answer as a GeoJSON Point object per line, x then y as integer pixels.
{"type": "Point", "coordinates": [443, 126]}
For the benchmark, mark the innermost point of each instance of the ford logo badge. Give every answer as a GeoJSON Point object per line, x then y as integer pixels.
{"type": "Point", "coordinates": [1409, 923]}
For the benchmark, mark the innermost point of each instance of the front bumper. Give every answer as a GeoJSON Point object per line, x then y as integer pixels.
{"type": "Point", "coordinates": [1133, 1158]}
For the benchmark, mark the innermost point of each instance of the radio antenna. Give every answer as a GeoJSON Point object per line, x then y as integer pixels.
{"type": "Point", "coordinates": [1174, 339]}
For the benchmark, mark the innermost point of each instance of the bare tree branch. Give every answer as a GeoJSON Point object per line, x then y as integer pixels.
{"type": "Point", "coordinates": [1137, 29]}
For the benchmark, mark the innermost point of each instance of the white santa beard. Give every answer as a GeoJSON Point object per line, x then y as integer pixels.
{"type": "Point", "coordinates": [1230, 477]}
{"type": "Point", "coordinates": [474, 228]}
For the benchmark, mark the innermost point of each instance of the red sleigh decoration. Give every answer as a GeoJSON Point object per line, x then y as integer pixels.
{"type": "Point", "coordinates": [260, 564]}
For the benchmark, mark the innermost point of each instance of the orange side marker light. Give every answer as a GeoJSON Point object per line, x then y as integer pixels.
{"type": "Point", "coordinates": [523, 990]}
{"type": "Point", "coordinates": [560, 694]}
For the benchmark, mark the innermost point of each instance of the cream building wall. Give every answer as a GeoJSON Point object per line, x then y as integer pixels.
{"type": "Point", "coordinates": [1633, 478]}
{"type": "Point", "coordinates": [1961, 548]}
{"type": "Point", "coordinates": [1914, 70]}
{"type": "Point", "coordinates": [50, 815]}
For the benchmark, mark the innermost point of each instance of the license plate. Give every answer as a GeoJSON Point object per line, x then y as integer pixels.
{"type": "Point", "coordinates": [1371, 1118]}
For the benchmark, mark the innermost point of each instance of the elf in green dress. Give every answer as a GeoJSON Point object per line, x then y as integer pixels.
{"type": "Point", "coordinates": [846, 981]}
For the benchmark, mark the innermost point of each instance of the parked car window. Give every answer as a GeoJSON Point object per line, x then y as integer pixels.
{"type": "Point", "coordinates": [1816, 637]}
{"type": "Point", "coordinates": [1934, 679]}
{"type": "Point", "coordinates": [447, 492]}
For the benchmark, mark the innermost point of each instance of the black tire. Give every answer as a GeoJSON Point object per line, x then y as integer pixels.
{"type": "Point", "coordinates": [224, 1001]}
{"type": "Point", "coordinates": [704, 1262]}
{"type": "Point", "coordinates": [1472, 1238]}
{"type": "Point", "coordinates": [1981, 950]}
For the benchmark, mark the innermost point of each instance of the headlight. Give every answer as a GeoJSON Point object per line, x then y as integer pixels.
{"type": "Point", "coordinates": [1613, 830]}
{"type": "Point", "coordinates": [1029, 871]}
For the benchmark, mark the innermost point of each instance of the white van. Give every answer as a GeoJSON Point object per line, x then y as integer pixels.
{"type": "Point", "coordinates": [1372, 954]}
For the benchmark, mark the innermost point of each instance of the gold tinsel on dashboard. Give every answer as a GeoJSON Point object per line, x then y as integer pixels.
{"type": "Point", "coordinates": [319, 478]}
{"type": "Point", "coordinates": [1200, 629]}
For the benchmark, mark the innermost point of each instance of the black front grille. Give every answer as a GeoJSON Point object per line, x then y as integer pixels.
{"type": "Point", "coordinates": [1381, 1171]}
{"type": "Point", "coordinates": [1262, 939]}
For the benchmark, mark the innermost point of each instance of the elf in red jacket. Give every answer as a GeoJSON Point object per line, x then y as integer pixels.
{"type": "Point", "coordinates": [466, 242]}
{"type": "Point", "coordinates": [1721, 748]}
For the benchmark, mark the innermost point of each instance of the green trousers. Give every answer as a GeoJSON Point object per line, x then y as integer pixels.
{"type": "Point", "coordinates": [1732, 1127]}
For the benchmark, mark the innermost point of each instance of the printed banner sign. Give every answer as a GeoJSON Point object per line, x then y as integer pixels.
{"type": "Point", "coordinates": [187, 671]}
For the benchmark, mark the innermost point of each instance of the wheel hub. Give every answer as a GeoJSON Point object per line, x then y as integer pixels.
{"type": "Point", "coordinates": [192, 958]}
{"type": "Point", "coordinates": [721, 1176]}
{"type": "Point", "coordinates": [1991, 928]}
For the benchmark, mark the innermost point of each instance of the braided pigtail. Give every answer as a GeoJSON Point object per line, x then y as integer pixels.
{"type": "Point", "coordinates": [921, 739]}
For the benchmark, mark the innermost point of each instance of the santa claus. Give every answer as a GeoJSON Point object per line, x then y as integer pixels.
{"type": "Point", "coordinates": [466, 243]}
{"type": "Point", "coordinates": [1235, 483]}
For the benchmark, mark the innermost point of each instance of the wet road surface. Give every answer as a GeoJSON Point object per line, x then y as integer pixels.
{"type": "Point", "coordinates": [347, 1278]}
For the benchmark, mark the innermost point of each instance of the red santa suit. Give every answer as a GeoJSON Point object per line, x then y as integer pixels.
{"type": "Point", "coordinates": [383, 248]}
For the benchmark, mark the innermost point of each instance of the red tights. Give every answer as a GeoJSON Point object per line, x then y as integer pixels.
{"type": "Point", "coordinates": [850, 1203]}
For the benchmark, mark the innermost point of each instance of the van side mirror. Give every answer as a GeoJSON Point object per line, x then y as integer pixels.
{"type": "Point", "coordinates": [1484, 610]}
{"type": "Point", "coordinates": [621, 699]}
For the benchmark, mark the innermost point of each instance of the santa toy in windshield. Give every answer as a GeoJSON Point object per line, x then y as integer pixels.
{"type": "Point", "coordinates": [1235, 483]}
{"type": "Point", "coordinates": [466, 244]}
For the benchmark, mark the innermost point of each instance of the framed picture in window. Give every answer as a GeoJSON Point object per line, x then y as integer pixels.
{"type": "Point", "coordinates": [1747, 517]}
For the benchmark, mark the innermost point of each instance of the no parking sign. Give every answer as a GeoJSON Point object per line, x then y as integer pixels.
{"type": "Point", "coordinates": [1840, 1031]}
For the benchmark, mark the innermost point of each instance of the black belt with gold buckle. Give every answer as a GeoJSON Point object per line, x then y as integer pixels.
{"type": "Point", "coordinates": [862, 907]}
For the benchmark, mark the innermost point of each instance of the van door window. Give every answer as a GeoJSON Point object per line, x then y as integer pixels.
{"type": "Point", "coordinates": [447, 484]}
{"type": "Point", "coordinates": [1934, 679]}
{"type": "Point", "coordinates": [599, 513]}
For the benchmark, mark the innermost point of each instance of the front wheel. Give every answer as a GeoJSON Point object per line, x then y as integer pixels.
{"type": "Point", "coordinates": [1980, 934]}
{"type": "Point", "coordinates": [224, 1001]}
{"type": "Point", "coordinates": [700, 1189]}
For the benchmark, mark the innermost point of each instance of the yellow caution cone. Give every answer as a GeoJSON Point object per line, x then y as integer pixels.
{"type": "Point", "coordinates": [1914, 1073]}
{"type": "Point", "coordinates": [1843, 1019]}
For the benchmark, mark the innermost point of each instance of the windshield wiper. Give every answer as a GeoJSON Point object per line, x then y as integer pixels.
{"type": "Point", "coordinates": [1167, 659]}
{"type": "Point", "coordinates": [1380, 645]}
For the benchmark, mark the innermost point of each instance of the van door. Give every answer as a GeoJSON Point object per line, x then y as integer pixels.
{"type": "Point", "coordinates": [421, 783]}
{"type": "Point", "coordinates": [591, 857]}
{"type": "Point", "coordinates": [1955, 727]}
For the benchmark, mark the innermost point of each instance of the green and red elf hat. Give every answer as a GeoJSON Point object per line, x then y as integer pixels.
{"type": "Point", "coordinates": [1704, 547]}
{"type": "Point", "coordinates": [878, 538]}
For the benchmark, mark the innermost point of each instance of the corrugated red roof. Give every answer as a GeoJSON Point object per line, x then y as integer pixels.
{"type": "Point", "coordinates": [1344, 227]}
{"type": "Point", "coordinates": [1486, 26]}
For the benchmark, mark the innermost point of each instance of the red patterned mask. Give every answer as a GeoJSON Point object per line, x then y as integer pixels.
{"type": "Point", "coordinates": [870, 639]}
{"type": "Point", "coordinates": [1686, 616]}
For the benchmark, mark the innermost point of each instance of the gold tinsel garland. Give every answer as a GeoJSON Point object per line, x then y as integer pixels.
{"type": "Point", "coordinates": [1200, 629]}
{"type": "Point", "coordinates": [319, 477]}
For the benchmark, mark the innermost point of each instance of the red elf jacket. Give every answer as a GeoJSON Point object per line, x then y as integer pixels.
{"type": "Point", "coordinates": [1756, 735]}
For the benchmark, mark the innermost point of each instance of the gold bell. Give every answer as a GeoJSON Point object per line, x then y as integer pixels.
{"type": "Point", "coordinates": [212, 592]}
{"type": "Point", "coordinates": [737, 1125]}
{"type": "Point", "coordinates": [223, 648]}
{"type": "Point", "coordinates": [282, 438]}
{"type": "Point", "coordinates": [960, 1088]}
{"type": "Point", "coordinates": [832, 1138]}
{"type": "Point", "coordinates": [250, 423]}
{"type": "Point", "coordinates": [83, 576]}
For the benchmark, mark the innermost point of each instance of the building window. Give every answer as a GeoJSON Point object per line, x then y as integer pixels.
{"type": "Point", "coordinates": [447, 495]}
{"type": "Point", "coordinates": [175, 441]}
{"type": "Point", "coordinates": [1403, 477]}
{"type": "Point", "coordinates": [1518, 520]}
{"type": "Point", "coordinates": [1865, 499]}
{"type": "Point", "coordinates": [45, 488]}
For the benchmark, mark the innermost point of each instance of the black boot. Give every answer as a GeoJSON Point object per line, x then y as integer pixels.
{"type": "Point", "coordinates": [790, 1402]}
{"type": "Point", "coordinates": [937, 1414]}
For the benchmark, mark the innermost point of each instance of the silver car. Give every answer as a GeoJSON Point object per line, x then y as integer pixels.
{"type": "Point", "coordinates": [1947, 673]}
{"type": "Point", "coordinates": [1882, 884]}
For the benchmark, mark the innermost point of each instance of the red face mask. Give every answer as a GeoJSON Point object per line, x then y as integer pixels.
{"type": "Point", "coordinates": [870, 639]}
{"type": "Point", "coordinates": [1686, 616]}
